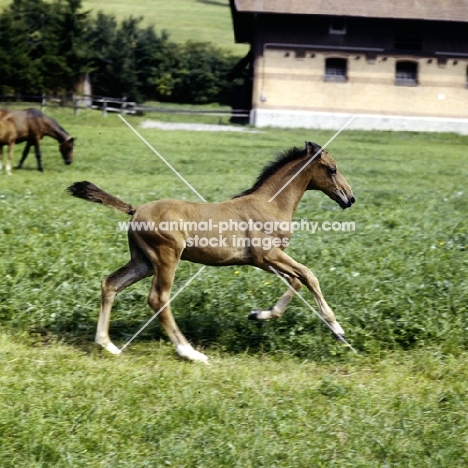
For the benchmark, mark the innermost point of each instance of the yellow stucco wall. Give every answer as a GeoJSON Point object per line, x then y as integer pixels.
{"type": "Point", "coordinates": [284, 81]}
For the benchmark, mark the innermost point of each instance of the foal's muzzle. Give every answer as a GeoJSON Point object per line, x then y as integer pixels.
{"type": "Point", "coordinates": [346, 201]}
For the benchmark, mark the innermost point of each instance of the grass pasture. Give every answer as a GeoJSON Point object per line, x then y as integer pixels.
{"type": "Point", "coordinates": [278, 394]}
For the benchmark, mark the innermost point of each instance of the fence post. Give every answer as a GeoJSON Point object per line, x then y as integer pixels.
{"type": "Point", "coordinates": [123, 106]}
{"type": "Point", "coordinates": [104, 107]}
{"type": "Point", "coordinates": [43, 102]}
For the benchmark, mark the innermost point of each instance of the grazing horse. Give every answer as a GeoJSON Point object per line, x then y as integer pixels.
{"type": "Point", "coordinates": [255, 228]}
{"type": "Point", "coordinates": [31, 126]}
{"type": "Point", "coordinates": [7, 137]}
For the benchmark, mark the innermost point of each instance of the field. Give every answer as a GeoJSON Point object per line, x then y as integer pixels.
{"type": "Point", "coordinates": [200, 20]}
{"type": "Point", "coordinates": [282, 393]}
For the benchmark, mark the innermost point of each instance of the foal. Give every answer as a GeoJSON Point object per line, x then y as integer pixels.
{"type": "Point", "coordinates": [178, 228]}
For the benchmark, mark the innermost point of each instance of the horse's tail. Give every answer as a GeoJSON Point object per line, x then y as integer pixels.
{"type": "Point", "coordinates": [88, 191]}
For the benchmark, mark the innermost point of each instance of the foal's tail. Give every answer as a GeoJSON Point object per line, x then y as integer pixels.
{"type": "Point", "coordinates": [88, 191]}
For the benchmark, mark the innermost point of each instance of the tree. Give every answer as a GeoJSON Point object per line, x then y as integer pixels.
{"type": "Point", "coordinates": [14, 59]}
{"type": "Point", "coordinates": [199, 74]}
{"type": "Point", "coordinates": [48, 47]}
{"type": "Point", "coordinates": [66, 52]}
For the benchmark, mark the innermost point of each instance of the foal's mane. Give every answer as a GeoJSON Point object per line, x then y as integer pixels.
{"type": "Point", "coordinates": [290, 155]}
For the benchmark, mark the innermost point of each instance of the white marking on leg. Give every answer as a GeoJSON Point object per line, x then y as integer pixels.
{"type": "Point", "coordinates": [110, 347]}
{"type": "Point", "coordinates": [336, 328]}
{"type": "Point", "coordinates": [261, 314]}
{"type": "Point", "coordinates": [187, 352]}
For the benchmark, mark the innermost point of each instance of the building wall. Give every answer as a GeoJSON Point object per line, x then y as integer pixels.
{"type": "Point", "coordinates": [286, 81]}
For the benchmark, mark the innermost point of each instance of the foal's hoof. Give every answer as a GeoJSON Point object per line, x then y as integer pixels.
{"type": "Point", "coordinates": [111, 348]}
{"type": "Point", "coordinates": [339, 338]}
{"type": "Point", "coordinates": [40, 169]}
{"type": "Point", "coordinates": [190, 354]}
{"type": "Point", "coordinates": [254, 315]}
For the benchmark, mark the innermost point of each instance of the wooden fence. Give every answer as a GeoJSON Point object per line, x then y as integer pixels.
{"type": "Point", "coordinates": [110, 104]}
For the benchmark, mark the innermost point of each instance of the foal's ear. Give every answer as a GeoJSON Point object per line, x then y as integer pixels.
{"type": "Point", "coordinates": [313, 149]}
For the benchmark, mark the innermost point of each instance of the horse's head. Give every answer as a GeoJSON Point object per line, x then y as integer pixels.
{"type": "Point", "coordinates": [66, 150]}
{"type": "Point", "coordinates": [326, 177]}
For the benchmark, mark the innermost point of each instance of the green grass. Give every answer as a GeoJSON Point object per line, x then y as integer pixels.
{"type": "Point", "coordinates": [199, 20]}
{"type": "Point", "coordinates": [279, 393]}
{"type": "Point", "coordinates": [63, 407]}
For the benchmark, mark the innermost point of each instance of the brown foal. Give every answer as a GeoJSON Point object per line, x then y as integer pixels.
{"type": "Point", "coordinates": [163, 232]}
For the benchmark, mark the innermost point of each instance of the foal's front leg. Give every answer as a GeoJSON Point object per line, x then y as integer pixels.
{"type": "Point", "coordinates": [9, 158]}
{"type": "Point", "coordinates": [38, 156]}
{"type": "Point", "coordinates": [24, 155]}
{"type": "Point", "coordinates": [285, 265]}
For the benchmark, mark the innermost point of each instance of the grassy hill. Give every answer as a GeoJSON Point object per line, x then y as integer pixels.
{"type": "Point", "coordinates": [198, 20]}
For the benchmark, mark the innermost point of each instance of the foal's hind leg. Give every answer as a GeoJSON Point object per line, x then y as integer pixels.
{"type": "Point", "coordinates": [158, 300]}
{"type": "Point", "coordinates": [278, 309]}
{"type": "Point", "coordinates": [136, 269]}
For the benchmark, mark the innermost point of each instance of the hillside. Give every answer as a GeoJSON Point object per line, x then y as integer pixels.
{"type": "Point", "coordinates": [198, 20]}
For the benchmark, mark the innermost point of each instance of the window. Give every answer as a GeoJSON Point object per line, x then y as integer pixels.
{"type": "Point", "coordinates": [337, 26]}
{"type": "Point", "coordinates": [300, 53]}
{"type": "Point", "coordinates": [441, 62]}
{"type": "Point", "coordinates": [336, 69]}
{"type": "Point", "coordinates": [406, 73]}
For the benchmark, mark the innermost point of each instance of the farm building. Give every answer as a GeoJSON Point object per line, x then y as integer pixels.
{"type": "Point", "coordinates": [399, 65]}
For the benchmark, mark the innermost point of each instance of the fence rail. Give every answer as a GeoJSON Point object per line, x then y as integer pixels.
{"type": "Point", "coordinates": [110, 104]}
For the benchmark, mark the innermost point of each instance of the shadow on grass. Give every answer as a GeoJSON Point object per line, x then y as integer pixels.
{"type": "Point", "coordinates": [231, 333]}
{"type": "Point", "coordinates": [213, 2]}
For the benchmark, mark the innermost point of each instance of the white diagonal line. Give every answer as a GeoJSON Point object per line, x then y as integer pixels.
{"type": "Point", "coordinates": [310, 307]}
{"type": "Point", "coordinates": [162, 308]}
{"type": "Point", "coordinates": [163, 159]}
{"type": "Point", "coordinates": [311, 159]}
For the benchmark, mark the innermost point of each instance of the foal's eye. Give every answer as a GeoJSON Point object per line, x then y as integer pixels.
{"type": "Point", "coordinates": [332, 170]}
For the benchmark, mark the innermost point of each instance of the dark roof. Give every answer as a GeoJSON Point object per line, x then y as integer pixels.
{"type": "Point", "coordinates": [438, 10]}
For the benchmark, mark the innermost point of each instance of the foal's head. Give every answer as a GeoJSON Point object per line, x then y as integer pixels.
{"type": "Point", "coordinates": [326, 177]}
{"type": "Point", "coordinates": [66, 150]}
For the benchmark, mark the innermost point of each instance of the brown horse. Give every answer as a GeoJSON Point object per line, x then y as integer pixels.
{"type": "Point", "coordinates": [255, 227]}
{"type": "Point", "coordinates": [31, 125]}
{"type": "Point", "coordinates": [7, 137]}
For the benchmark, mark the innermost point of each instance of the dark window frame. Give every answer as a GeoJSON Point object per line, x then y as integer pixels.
{"type": "Point", "coordinates": [336, 69]}
{"type": "Point", "coordinates": [337, 26]}
{"type": "Point", "coordinates": [406, 73]}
